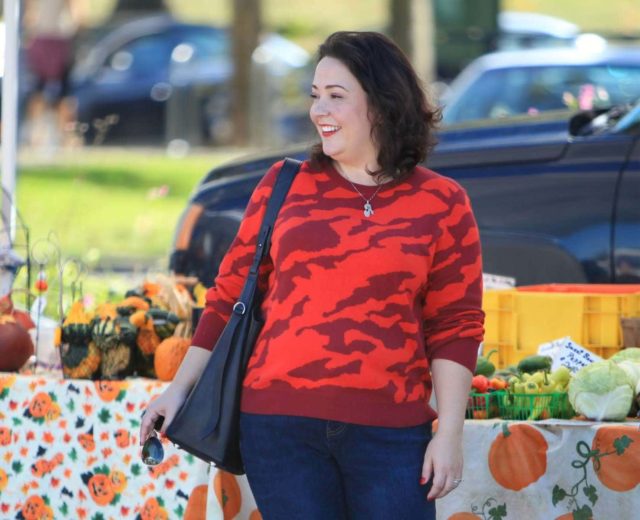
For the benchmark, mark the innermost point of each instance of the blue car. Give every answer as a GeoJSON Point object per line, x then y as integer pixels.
{"type": "Point", "coordinates": [590, 74]}
{"type": "Point", "coordinates": [556, 197]}
{"type": "Point", "coordinates": [155, 79]}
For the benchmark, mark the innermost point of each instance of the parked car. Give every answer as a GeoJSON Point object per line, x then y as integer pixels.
{"type": "Point", "coordinates": [587, 75]}
{"type": "Point", "coordinates": [555, 196]}
{"type": "Point", "coordinates": [524, 30]}
{"type": "Point", "coordinates": [155, 79]}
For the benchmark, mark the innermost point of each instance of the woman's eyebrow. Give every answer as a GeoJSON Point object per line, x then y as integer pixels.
{"type": "Point", "coordinates": [332, 86]}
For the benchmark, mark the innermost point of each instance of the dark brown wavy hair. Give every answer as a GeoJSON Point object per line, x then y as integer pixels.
{"type": "Point", "coordinates": [402, 121]}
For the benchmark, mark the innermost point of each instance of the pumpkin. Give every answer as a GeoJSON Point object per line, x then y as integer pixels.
{"type": "Point", "coordinates": [147, 339]}
{"type": "Point", "coordinates": [53, 412]}
{"type": "Point", "coordinates": [101, 489]}
{"type": "Point", "coordinates": [228, 494]}
{"type": "Point", "coordinates": [132, 304]}
{"type": "Point", "coordinates": [118, 480]}
{"type": "Point", "coordinates": [106, 310]}
{"type": "Point", "coordinates": [169, 355]}
{"type": "Point", "coordinates": [197, 504]}
{"type": "Point", "coordinates": [87, 440]}
{"type": "Point", "coordinates": [107, 390]}
{"type": "Point", "coordinates": [123, 438]}
{"type": "Point", "coordinates": [34, 508]}
{"type": "Point", "coordinates": [15, 344]}
{"type": "Point", "coordinates": [4, 480]}
{"type": "Point", "coordinates": [40, 404]}
{"type": "Point", "coordinates": [464, 516]}
{"type": "Point", "coordinates": [617, 471]}
{"type": "Point", "coordinates": [5, 436]}
{"type": "Point", "coordinates": [150, 509]}
{"type": "Point", "coordinates": [518, 456]}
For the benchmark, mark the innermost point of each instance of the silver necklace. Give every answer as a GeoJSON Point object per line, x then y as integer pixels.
{"type": "Point", "coordinates": [368, 210]}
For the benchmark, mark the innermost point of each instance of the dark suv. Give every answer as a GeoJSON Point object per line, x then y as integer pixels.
{"type": "Point", "coordinates": [556, 197]}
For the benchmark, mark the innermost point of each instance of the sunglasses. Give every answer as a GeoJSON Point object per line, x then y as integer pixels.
{"type": "Point", "coordinates": [152, 450]}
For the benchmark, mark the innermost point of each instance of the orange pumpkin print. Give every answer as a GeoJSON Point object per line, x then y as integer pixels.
{"type": "Point", "coordinates": [4, 480]}
{"type": "Point", "coordinates": [228, 494]}
{"type": "Point", "coordinates": [101, 489]}
{"type": "Point", "coordinates": [107, 390]}
{"type": "Point", "coordinates": [518, 456]}
{"type": "Point", "coordinates": [123, 438]}
{"type": "Point", "coordinates": [34, 508]}
{"type": "Point", "coordinates": [53, 412]}
{"type": "Point", "coordinates": [118, 481]}
{"type": "Point", "coordinates": [5, 436]}
{"type": "Point", "coordinates": [87, 441]}
{"type": "Point", "coordinates": [255, 515]}
{"type": "Point", "coordinates": [197, 504]}
{"type": "Point", "coordinates": [619, 469]}
{"type": "Point", "coordinates": [464, 516]}
{"type": "Point", "coordinates": [151, 510]}
{"type": "Point", "coordinates": [40, 404]}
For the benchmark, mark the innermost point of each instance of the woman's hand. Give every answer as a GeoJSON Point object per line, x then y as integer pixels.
{"type": "Point", "coordinates": [166, 406]}
{"type": "Point", "coordinates": [170, 401]}
{"type": "Point", "coordinates": [443, 461]}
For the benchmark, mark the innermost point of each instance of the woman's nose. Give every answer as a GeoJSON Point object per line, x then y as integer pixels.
{"type": "Point", "coordinates": [319, 108]}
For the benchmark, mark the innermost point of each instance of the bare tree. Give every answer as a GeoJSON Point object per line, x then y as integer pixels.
{"type": "Point", "coordinates": [125, 9]}
{"type": "Point", "coordinates": [246, 27]}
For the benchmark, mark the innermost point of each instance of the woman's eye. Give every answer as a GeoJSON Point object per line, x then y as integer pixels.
{"type": "Point", "coordinates": [336, 96]}
{"type": "Point", "coordinates": [313, 96]}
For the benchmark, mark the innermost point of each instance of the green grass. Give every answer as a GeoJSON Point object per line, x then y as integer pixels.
{"type": "Point", "coordinates": [110, 204]}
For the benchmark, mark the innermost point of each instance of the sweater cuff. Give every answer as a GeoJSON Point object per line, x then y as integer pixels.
{"type": "Point", "coordinates": [209, 328]}
{"type": "Point", "coordinates": [462, 351]}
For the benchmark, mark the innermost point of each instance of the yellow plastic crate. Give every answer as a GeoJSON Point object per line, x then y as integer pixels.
{"type": "Point", "coordinates": [519, 320]}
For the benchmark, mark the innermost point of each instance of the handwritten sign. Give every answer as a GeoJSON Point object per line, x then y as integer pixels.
{"type": "Point", "coordinates": [565, 352]}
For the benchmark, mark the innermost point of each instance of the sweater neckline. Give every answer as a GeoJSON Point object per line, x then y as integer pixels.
{"type": "Point", "coordinates": [366, 189]}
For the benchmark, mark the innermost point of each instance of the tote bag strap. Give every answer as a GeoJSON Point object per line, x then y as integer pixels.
{"type": "Point", "coordinates": [285, 177]}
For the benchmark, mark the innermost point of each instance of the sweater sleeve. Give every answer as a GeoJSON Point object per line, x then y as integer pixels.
{"type": "Point", "coordinates": [235, 265]}
{"type": "Point", "coordinates": [452, 312]}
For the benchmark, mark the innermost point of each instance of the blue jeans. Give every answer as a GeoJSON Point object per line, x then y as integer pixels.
{"type": "Point", "coordinates": [313, 469]}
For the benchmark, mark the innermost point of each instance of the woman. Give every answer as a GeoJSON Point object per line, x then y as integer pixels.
{"type": "Point", "coordinates": [372, 295]}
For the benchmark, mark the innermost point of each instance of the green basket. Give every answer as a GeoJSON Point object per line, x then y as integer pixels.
{"type": "Point", "coordinates": [533, 407]}
{"type": "Point", "coordinates": [484, 406]}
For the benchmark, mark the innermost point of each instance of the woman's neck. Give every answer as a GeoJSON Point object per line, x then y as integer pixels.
{"type": "Point", "coordinates": [358, 174]}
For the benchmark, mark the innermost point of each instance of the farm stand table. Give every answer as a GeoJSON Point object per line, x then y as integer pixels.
{"type": "Point", "coordinates": [546, 470]}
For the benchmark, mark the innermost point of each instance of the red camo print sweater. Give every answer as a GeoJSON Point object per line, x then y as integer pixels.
{"type": "Point", "coordinates": [355, 307]}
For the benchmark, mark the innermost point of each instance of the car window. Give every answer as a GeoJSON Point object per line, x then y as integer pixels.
{"type": "Point", "coordinates": [142, 57]}
{"type": "Point", "coordinates": [522, 90]}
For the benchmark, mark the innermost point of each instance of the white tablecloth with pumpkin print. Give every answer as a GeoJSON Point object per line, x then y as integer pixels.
{"type": "Point", "coordinates": [69, 450]}
{"type": "Point", "coordinates": [547, 470]}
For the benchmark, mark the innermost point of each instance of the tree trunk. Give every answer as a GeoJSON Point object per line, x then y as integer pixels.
{"type": "Point", "coordinates": [127, 9]}
{"type": "Point", "coordinates": [247, 21]}
{"type": "Point", "coordinates": [411, 26]}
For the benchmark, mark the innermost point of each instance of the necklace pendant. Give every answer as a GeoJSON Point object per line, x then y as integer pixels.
{"type": "Point", "coordinates": [368, 210]}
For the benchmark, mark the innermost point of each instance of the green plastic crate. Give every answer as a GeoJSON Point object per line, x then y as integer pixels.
{"type": "Point", "coordinates": [484, 406]}
{"type": "Point", "coordinates": [533, 407]}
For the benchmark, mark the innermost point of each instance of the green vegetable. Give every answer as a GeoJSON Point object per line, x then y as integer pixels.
{"type": "Point", "coordinates": [632, 368]}
{"type": "Point", "coordinates": [601, 391]}
{"type": "Point", "coordinates": [631, 353]}
{"type": "Point", "coordinates": [484, 367]}
{"type": "Point", "coordinates": [532, 364]}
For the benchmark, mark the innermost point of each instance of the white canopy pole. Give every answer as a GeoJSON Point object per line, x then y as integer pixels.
{"type": "Point", "coordinates": [10, 119]}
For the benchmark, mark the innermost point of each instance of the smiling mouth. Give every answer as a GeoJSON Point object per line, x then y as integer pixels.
{"type": "Point", "coordinates": [328, 130]}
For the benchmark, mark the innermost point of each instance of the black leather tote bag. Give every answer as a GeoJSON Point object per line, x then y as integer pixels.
{"type": "Point", "coordinates": [208, 423]}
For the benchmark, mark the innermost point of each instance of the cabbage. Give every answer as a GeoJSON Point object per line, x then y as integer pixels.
{"type": "Point", "coordinates": [631, 353]}
{"type": "Point", "coordinates": [601, 391]}
{"type": "Point", "coordinates": [632, 368]}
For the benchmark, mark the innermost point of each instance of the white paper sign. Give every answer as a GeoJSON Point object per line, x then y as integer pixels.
{"type": "Point", "coordinates": [565, 352]}
{"type": "Point", "coordinates": [497, 281]}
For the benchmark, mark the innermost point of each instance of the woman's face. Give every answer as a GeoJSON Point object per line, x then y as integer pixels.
{"type": "Point", "coordinates": [340, 113]}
